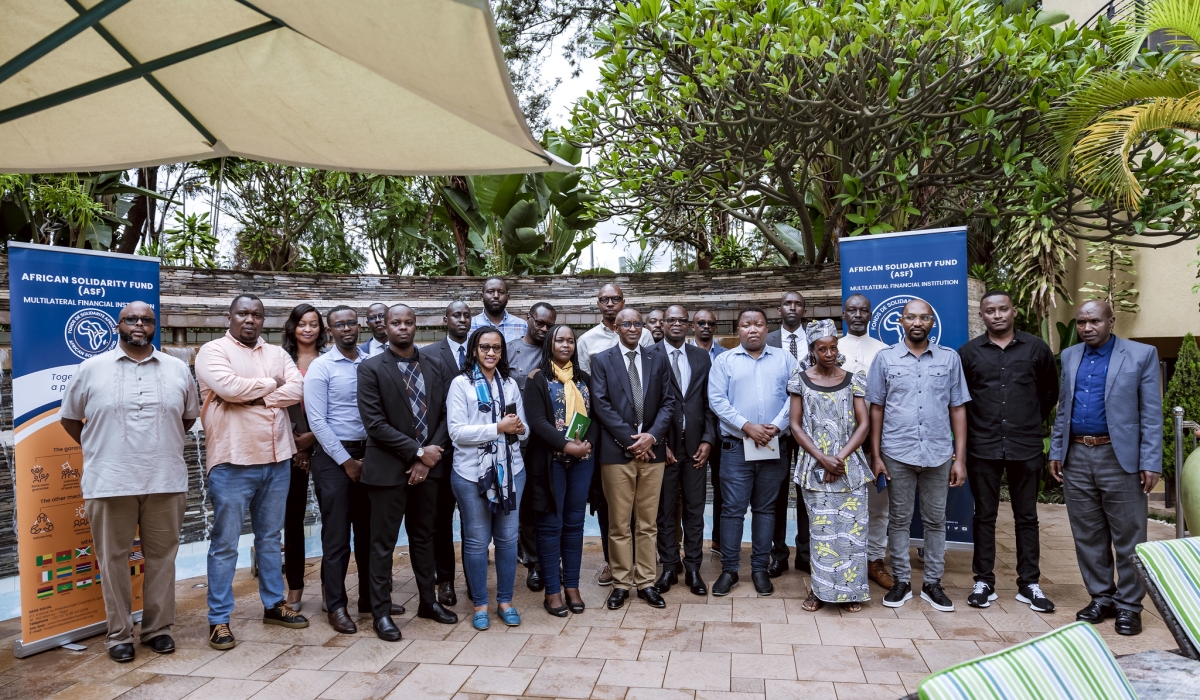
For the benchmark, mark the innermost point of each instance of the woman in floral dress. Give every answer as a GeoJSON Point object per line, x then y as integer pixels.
{"type": "Point", "coordinates": [829, 420]}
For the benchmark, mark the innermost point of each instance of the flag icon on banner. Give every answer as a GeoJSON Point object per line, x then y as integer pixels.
{"type": "Point", "coordinates": [46, 576]}
{"type": "Point", "coordinates": [83, 583]}
{"type": "Point", "coordinates": [64, 555]}
{"type": "Point", "coordinates": [136, 569]}
{"type": "Point", "coordinates": [45, 591]}
{"type": "Point", "coordinates": [63, 572]}
{"type": "Point", "coordinates": [136, 556]}
{"type": "Point", "coordinates": [45, 559]}
{"type": "Point", "coordinates": [137, 542]}
{"type": "Point", "coordinates": [84, 568]}
{"type": "Point", "coordinates": [85, 552]}
{"type": "Point", "coordinates": [64, 587]}
{"type": "Point", "coordinates": [97, 579]}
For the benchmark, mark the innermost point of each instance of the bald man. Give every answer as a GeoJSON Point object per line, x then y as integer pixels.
{"type": "Point", "coordinates": [611, 301]}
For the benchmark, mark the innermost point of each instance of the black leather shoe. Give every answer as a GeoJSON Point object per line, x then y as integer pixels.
{"type": "Point", "coordinates": [162, 644]}
{"type": "Point", "coordinates": [446, 595]}
{"type": "Point", "coordinates": [762, 583]}
{"type": "Point", "coordinates": [776, 569]}
{"type": "Point", "coordinates": [652, 597]}
{"type": "Point", "coordinates": [561, 611]}
{"type": "Point", "coordinates": [1096, 613]}
{"type": "Point", "coordinates": [387, 630]}
{"type": "Point", "coordinates": [694, 582]}
{"type": "Point", "coordinates": [1128, 622]}
{"type": "Point", "coordinates": [803, 566]}
{"type": "Point", "coordinates": [396, 611]}
{"type": "Point", "coordinates": [616, 599]}
{"type": "Point", "coordinates": [435, 612]}
{"type": "Point", "coordinates": [341, 622]}
{"type": "Point", "coordinates": [121, 653]}
{"type": "Point", "coordinates": [669, 578]}
{"type": "Point", "coordinates": [725, 583]}
{"type": "Point", "coordinates": [533, 580]}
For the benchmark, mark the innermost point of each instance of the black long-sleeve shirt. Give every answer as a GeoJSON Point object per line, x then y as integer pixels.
{"type": "Point", "coordinates": [1013, 390]}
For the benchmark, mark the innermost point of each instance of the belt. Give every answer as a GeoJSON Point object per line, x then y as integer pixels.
{"type": "Point", "coordinates": [1091, 440]}
{"type": "Point", "coordinates": [354, 444]}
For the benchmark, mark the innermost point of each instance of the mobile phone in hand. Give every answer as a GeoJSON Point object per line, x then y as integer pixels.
{"type": "Point", "coordinates": [511, 410]}
{"type": "Point", "coordinates": [881, 483]}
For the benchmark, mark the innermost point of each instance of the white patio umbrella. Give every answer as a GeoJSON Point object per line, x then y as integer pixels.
{"type": "Point", "coordinates": [384, 86]}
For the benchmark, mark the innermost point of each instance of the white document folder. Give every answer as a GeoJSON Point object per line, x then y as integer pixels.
{"type": "Point", "coordinates": [754, 453]}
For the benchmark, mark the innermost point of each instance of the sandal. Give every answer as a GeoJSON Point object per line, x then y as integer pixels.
{"type": "Point", "coordinates": [852, 607]}
{"type": "Point", "coordinates": [812, 603]}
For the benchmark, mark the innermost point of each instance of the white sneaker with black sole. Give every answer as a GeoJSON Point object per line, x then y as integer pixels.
{"type": "Point", "coordinates": [933, 594]}
{"type": "Point", "coordinates": [982, 596]}
{"type": "Point", "coordinates": [1036, 600]}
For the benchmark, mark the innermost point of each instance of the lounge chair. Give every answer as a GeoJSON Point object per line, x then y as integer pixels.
{"type": "Point", "coordinates": [1171, 571]}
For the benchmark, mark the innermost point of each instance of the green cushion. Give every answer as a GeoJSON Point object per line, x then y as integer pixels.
{"type": "Point", "coordinates": [1071, 662]}
{"type": "Point", "coordinates": [1174, 566]}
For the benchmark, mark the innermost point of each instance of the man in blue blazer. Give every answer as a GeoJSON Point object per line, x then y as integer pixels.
{"type": "Point", "coordinates": [633, 401]}
{"type": "Point", "coordinates": [1107, 450]}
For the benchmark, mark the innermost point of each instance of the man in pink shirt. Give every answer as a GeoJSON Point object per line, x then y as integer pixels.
{"type": "Point", "coordinates": [246, 387]}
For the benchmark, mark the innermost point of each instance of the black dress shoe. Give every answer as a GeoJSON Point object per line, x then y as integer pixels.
{"type": "Point", "coordinates": [762, 583]}
{"type": "Point", "coordinates": [561, 611]}
{"type": "Point", "coordinates": [446, 595]}
{"type": "Point", "coordinates": [1128, 622]}
{"type": "Point", "coordinates": [435, 612]}
{"type": "Point", "coordinates": [725, 583]}
{"type": "Point", "coordinates": [121, 653]}
{"type": "Point", "coordinates": [1096, 613]}
{"type": "Point", "coordinates": [776, 569]}
{"type": "Point", "coordinates": [694, 582]}
{"type": "Point", "coordinates": [533, 580]}
{"type": "Point", "coordinates": [387, 630]}
{"type": "Point", "coordinates": [616, 599]}
{"type": "Point", "coordinates": [669, 578]}
{"type": "Point", "coordinates": [162, 644]}
{"type": "Point", "coordinates": [652, 597]}
{"type": "Point", "coordinates": [576, 608]}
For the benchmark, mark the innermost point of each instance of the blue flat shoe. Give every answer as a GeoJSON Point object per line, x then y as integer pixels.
{"type": "Point", "coordinates": [480, 620]}
{"type": "Point", "coordinates": [510, 616]}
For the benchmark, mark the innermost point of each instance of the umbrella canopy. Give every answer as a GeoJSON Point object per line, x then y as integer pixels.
{"type": "Point", "coordinates": [386, 86]}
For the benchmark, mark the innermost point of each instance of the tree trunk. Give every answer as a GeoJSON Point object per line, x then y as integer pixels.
{"type": "Point", "coordinates": [461, 229]}
{"type": "Point", "coordinates": [138, 215]}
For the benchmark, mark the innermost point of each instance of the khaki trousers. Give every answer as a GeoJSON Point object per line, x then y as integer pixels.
{"type": "Point", "coordinates": [632, 490]}
{"type": "Point", "coordinates": [115, 522]}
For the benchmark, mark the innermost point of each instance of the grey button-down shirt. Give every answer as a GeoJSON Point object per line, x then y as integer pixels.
{"type": "Point", "coordinates": [523, 358]}
{"type": "Point", "coordinates": [916, 394]}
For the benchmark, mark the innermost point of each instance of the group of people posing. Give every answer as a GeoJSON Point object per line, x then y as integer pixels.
{"type": "Point", "coordinates": [521, 426]}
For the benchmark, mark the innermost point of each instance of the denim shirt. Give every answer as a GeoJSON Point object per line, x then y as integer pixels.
{"type": "Point", "coordinates": [1088, 416]}
{"type": "Point", "coordinates": [742, 389]}
{"type": "Point", "coordinates": [916, 394]}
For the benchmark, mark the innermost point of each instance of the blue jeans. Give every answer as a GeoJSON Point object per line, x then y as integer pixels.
{"type": "Point", "coordinates": [753, 485]}
{"type": "Point", "coordinates": [480, 528]}
{"type": "Point", "coordinates": [232, 487]}
{"type": "Point", "coordinates": [560, 534]}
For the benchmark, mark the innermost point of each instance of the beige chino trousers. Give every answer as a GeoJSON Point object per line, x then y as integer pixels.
{"type": "Point", "coordinates": [633, 491]}
{"type": "Point", "coordinates": [115, 523]}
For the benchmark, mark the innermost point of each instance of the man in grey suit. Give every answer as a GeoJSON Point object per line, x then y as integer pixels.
{"type": "Point", "coordinates": [1107, 451]}
{"type": "Point", "coordinates": [791, 339]}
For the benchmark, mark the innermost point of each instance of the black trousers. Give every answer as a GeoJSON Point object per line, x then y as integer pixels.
{"type": "Point", "coordinates": [443, 530]}
{"type": "Point", "coordinates": [389, 506]}
{"type": "Point", "coordinates": [681, 478]}
{"type": "Point", "coordinates": [714, 470]}
{"type": "Point", "coordinates": [345, 509]}
{"type": "Point", "coordinates": [293, 528]}
{"type": "Point", "coordinates": [779, 544]}
{"type": "Point", "coordinates": [527, 534]}
{"type": "Point", "coordinates": [984, 477]}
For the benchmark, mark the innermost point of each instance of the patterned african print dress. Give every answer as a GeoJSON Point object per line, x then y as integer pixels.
{"type": "Point", "coordinates": [837, 511]}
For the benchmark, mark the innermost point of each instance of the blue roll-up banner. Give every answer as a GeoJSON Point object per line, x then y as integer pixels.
{"type": "Point", "coordinates": [63, 307]}
{"type": "Point", "coordinates": [892, 269]}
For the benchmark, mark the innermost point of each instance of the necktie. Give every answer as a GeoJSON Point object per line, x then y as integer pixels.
{"type": "Point", "coordinates": [462, 356]}
{"type": "Point", "coordinates": [635, 385]}
{"type": "Point", "coordinates": [414, 385]}
{"type": "Point", "coordinates": [793, 350]}
{"type": "Point", "coordinates": [675, 369]}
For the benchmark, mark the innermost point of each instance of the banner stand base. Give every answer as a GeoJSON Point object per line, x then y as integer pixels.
{"type": "Point", "coordinates": [21, 651]}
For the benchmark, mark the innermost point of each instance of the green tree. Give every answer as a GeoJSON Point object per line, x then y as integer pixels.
{"type": "Point", "coordinates": [191, 243]}
{"type": "Point", "coordinates": [1183, 390]}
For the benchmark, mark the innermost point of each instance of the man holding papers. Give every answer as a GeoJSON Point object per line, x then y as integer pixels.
{"type": "Point", "coordinates": [747, 390]}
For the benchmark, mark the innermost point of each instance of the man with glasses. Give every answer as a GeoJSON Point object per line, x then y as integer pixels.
{"type": "Point", "coordinates": [129, 408]}
{"type": "Point", "coordinates": [917, 393]}
{"type": "Point", "coordinates": [654, 323]}
{"type": "Point", "coordinates": [705, 322]}
{"type": "Point", "coordinates": [611, 301]}
{"type": "Point", "coordinates": [791, 339]}
{"type": "Point", "coordinates": [378, 329]}
{"type": "Point", "coordinates": [495, 311]}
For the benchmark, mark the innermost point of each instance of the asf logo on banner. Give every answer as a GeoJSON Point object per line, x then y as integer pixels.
{"type": "Point", "coordinates": [90, 332]}
{"type": "Point", "coordinates": [885, 320]}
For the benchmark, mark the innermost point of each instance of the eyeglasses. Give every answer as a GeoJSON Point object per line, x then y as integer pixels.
{"type": "Point", "coordinates": [375, 319]}
{"type": "Point", "coordinates": [632, 324]}
{"type": "Point", "coordinates": [706, 324]}
{"type": "Point", "coordinates": [913, 317]}
{"type": "Point", "coordinates": [673, 321]}
{"type": "Point", "coordinates": [342, 325]}
{"type": "Point", "coordinates": [135, 320]}
{"type": "Point", "coordinates": [610, 300]}
{"type": "Point", "coordinates": [489, 349]}
{"type": "Point", "coordinates": [543, 325]}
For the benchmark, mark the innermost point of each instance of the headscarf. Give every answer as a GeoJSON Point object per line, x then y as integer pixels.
{"type": "Point", "coordinates": [495, 457]}
{"type": "Point", "coordinates": [571, 397]}
{"type": "Point", "coordinates": [814, 331]}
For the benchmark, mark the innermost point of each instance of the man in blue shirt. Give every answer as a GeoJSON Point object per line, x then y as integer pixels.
{"type": "Point", "coordinates": [495, 311]}
{"type": "Point", "coordinates": [747, 390]}
{"type": "Point", "coordinates": [1107, 450]}
{"type": "Point", "coordinates": [331, 403]}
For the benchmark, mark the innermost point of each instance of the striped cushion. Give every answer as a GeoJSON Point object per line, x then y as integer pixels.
{"type": "Point", "coordinates": [1174, 565]}
{"type": "Point", "coordinates": [1071, 662]}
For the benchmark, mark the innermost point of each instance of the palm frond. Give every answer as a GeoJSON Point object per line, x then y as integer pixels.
{"type": "Point", "coordinates": [1102, 153]}
{"type": "Point", "coordinates": [1178, 17]}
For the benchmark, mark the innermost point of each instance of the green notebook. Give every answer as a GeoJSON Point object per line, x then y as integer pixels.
{"type": "Point", "coordinates": [578, 427]}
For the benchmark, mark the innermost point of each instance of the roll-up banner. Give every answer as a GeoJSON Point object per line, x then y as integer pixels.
{"type": "Point", "coordinates": [892, 269]}
{"type": "Point", "coordinates": [63, 309]}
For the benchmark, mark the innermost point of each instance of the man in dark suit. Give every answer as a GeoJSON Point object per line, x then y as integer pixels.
{"type": "Point", "coordinates": [1107, 450]}
{"type": "Point", "coordinates": [376, 313]}
{"type": "Point", "coordinates": [689, 443]}
{"type": "Point", "coordinates": [401, 399]}
{"type": "Point", "coordinates": [791, 339]}
{"type": "Point", "coordinates": [451, 351]}
{"type": "Point", "coordinates": [633, 400]}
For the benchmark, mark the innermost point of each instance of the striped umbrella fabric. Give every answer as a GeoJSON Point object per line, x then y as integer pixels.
{"type": "Point", "coordinates": [1175, 567]}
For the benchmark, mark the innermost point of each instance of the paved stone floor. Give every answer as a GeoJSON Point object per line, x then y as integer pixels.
{"type": "Point", "coordinates": [740, 647]}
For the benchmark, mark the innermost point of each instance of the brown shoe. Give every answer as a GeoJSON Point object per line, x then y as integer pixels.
{"type": "Point", "coordinates": [877, 572]}
{"type": "Point", "coordinates": [605, 577]}
{"type": "Point", "coordinates": [341, 622]}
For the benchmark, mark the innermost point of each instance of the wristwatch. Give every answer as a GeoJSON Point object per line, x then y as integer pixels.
{"type": "Point", "coordinates": [420, 452]}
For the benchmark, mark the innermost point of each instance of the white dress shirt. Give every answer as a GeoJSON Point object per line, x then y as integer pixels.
{"type": "Point", "coordinates": [454, 348]}
{"type": "Point", "coordinates": [640, 362]}
{"type": "Point", "coordinates": [860, 352]}
{"type": "Point", "coordinates": [375, 347]}
{"type": "Point", "coordinates": [785, 338]}
{"type": "Point", "coordinates": [598, 340]}
{"type": "Point", "coordinates": [685, 371]}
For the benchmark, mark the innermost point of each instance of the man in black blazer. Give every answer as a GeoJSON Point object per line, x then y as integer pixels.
{"type": "Point", "coordinates": [451, 351]}
{"type": "Point", "coordinates": [401, 399]}
{"type": "Point", "coordinates": [791, 339]}
{"type": "Point", "coordinates": [689, 443]}
{"type": "Point", "coordinates": [633, 400]}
